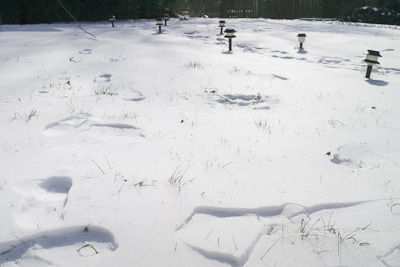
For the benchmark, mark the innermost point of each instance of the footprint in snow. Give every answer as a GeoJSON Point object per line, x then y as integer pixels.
{"type": "Point", "coordinates": [68, 124]}
{"type": "Point", "coordinates": [83, 123]}
{"type": "Point", "coordinates": [43, 202]}
{"type": "Point", "coordinates": [133, 95]}
{"type": "Point", "coordinates": [367, 156]}
{"type": "Point", "coordinates": [85, 52]}
{"type": "Point", "coordinates": [250, 236]}
{"type": "Point", "coordinates": [102, 78]}
{"type": "Point", "coordinates": [242, 100]}
{"type": "Point", "coordinates": [250, 48]}
{"type": "Point", "coordinates": [330, 60]}
{"type": "Point", "coordinates": [109, 59]}
{"type": "Point", "coordinates": [58, 246]}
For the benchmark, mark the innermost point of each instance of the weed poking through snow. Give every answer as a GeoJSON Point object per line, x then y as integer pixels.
{"type": "Point", "coordinates": [177, 177]}
{"type": "Point", "coordinates": [106, 90]}
{"type": "Point", "coordinates": [194, 65]}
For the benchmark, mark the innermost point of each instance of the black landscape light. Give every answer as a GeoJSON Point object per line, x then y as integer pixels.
{"type": "Point", "coordinates": [302, 39]}
{"type": "Point", "coordinates": [111, 19]}
{"type": "Point", "coordinates": [166, 18]}
{"type": "Point", "coordinates": [159, 24]}
{"type": "Point", "coordinates": [230, 33]}
{"type": "Point", "coordinates": [372, 59]}
{"type": "Point", "coordinates": [221, 25]}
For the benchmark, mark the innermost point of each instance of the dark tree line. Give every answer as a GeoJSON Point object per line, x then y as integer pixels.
{"type": "Point", "coordinates": [284, 8]}
{"type": "Point", "coordinates": [388, 11]}
{"type": "Point", "coordinates": [340, 8]}
{"type": "Point", "coordinates": [48, 11]}
{"type": "Point", "coordinates": [291, 9]}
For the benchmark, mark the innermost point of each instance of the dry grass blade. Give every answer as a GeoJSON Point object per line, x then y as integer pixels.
{"type": "Point", "coordinates": [88, 245]}
{"type": "Point", "coordinates": [270, 248]}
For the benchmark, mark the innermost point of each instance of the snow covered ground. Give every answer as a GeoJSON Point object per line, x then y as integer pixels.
{"type": "Point", "coordinates": [143, 149]}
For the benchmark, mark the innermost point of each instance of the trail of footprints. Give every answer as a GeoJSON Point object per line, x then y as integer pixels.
{"type": "Point", "coordinates": [85, 122]}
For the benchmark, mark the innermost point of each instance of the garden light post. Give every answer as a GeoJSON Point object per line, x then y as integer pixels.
{"type": "Point", "coordinates": [371, 60]}
{"type": "Point", "coordinates": [302, 39]}
{"type": "Point", "coordinates": [159, 24]}
{"type": "Point", "coordinates": [111, 19]}
{"type": "Point", "coordinates": [221, 25]}
{"type": "Point", "coordinates": [230, 33]}
{"type": "Point", "coordinates": [166, 18]}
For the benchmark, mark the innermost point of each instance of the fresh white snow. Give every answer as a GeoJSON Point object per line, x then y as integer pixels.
{"type": "Point", "coordinates": [143, 149]}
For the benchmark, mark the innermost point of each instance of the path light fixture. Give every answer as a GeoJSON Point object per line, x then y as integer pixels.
{"type": "Point", "coordinates": [221, 25]}
{"type": "Point", "coordinates": [159, 24]}
{"type": "Point", "coordinates": [230, 33]}
{"type": "Point", "coordinates": [372, 59]}
{"type": "Point", "coordinates": [166, 18]}
{"type": "Point", "coordinates": [111, 19]}
{"type": "Point", "coordinates": [302, 39]}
